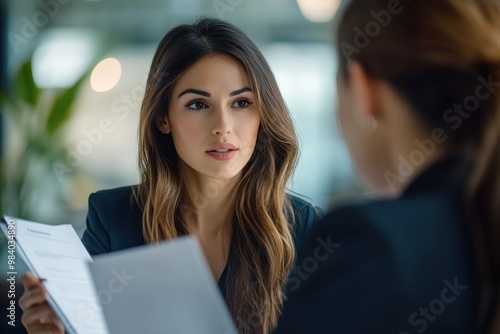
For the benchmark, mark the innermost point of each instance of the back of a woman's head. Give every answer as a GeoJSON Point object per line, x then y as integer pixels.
{"type": "Point", "coordinates": [432, 52]}
{"type": "Point", "coordinates": [443, 58]}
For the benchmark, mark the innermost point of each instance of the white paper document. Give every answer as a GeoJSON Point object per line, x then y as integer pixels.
{"type": "Point", "coordinates": [164, 288]}
{"type": "Point", "coordinates": [56, 254]}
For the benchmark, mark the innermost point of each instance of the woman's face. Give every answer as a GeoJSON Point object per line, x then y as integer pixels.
{"type": "Point", "coordinates": [212, 117]}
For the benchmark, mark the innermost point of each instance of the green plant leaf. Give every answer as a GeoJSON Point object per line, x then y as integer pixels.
{"type": "Point", "coordinates": [24, 84]}
{"type": "Point", "coordinates": [62, 108]}
{"type": "Point", "coordinates": [9, 105]}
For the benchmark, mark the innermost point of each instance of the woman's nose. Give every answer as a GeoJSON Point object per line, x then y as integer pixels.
{"type": "Point", "coordinates": [222, 124]}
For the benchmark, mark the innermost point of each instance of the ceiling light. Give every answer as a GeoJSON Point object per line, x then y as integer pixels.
{"type": "Point", "coordinates": [105, 75]}
{"type": "Point", "coordinates": [318, 10]}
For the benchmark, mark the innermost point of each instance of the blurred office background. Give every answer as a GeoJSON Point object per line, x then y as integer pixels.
{"type": "Point", "coordinates": [60, 141]}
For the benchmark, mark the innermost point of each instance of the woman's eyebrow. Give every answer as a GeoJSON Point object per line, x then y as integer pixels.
{"type": "Point", "coordinates": [239, 91]}
{"type": "Point", "coordinates": [207, 94]}
{"type": "Point", "coordinates": [194, 91]}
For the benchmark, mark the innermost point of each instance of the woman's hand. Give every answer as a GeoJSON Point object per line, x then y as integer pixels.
{"type": "Point", "coordinates": [38, 316]}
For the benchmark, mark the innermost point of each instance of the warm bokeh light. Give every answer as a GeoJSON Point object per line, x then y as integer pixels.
{"type": "Point", "coordinates": [106, 75]}
{"type": "Point", "coordinates": [318, 10]}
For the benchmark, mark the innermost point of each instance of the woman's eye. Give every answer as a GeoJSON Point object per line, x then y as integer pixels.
{"type": "Point", "coordinates": [242, 104]}
{"type": "Point", "coordinates": [197, 105]}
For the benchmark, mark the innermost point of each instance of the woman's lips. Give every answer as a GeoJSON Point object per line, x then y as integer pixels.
{"type": "Point", "coordinates": [222, 151]}
{"type": "Point", "coordinates": [222, 154]}
{"type": "Point", "coordinates": [221, 146]}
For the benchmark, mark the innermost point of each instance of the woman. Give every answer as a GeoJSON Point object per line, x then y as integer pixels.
{"type": "Point", "coordinates": [216, 150]}
{"type": "Point", "coordinates": [419, 108]}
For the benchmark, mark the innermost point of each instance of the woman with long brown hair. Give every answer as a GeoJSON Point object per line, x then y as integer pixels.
{"type": "Point", "coordinates": [419, 108]}
{"type": "Point", "coordinates": [217, 147]}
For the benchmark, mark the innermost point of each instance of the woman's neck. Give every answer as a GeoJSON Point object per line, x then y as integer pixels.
{"type": "Point", "coordinates": [207, 203]}
{"type": "Point", "coordinates": [413, 150]}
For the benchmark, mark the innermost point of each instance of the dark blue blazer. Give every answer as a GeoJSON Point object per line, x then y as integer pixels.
{"type": "Point", "coordinates": [390, 266]}
{"type": "Point", "coordinates": [114, 222]}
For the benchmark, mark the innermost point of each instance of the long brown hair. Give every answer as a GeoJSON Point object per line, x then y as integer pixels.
{"type": "Point", "coordinates": [262, 251]}
{"type": "Point", "coordinates": [435, 53]}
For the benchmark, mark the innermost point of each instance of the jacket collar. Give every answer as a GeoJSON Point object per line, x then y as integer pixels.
{"type": "Point", "coordinates": [449, 172]}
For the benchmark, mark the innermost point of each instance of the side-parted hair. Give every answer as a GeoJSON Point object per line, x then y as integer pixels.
{"type": "Point", "coordinates": [437, 53]}
{"type": "Point", "coordinates": [261, 249]}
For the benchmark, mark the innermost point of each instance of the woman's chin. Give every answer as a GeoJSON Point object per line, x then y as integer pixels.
{"type": "Point", "coordinates": [221, 174]}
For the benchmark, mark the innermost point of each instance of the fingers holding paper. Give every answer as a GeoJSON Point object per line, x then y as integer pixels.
{"type": "Point", "coordinates": [38, 317]}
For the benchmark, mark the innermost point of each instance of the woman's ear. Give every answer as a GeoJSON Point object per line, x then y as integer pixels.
{"type": "Point", "coordinates": [163, 125]}
{"type": "Point", "coordinates": [365, 92]}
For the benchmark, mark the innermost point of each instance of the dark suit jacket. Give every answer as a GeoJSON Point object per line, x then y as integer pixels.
{"type": "Point", "coordinates": [390, 266]}
{"type": "Point", "coordinates": [114, 222]}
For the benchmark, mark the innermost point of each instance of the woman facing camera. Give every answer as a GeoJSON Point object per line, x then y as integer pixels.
{"type": "Point", "coordinates": [217, 147]}
{"type": "Point", "coordinates": [419, 107]}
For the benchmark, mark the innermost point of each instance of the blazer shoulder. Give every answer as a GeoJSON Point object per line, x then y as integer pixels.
{"type": "Point", "coordinates": [350, 223]}
{"type": "Point", "coordinates": [117, 205]}
{"type": "Point", "coordinates": [305, 212]}
{"type": "Point", "coordinates": [306, 216]}
{"type": "Point", "coordinates": [383, 253]}
{"type": "Point", "coordinates": [113, 221]}
{"type": "Point", "coordinates": [347, 216]}
{"type": "Point", "coordinates": [120, 195]}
